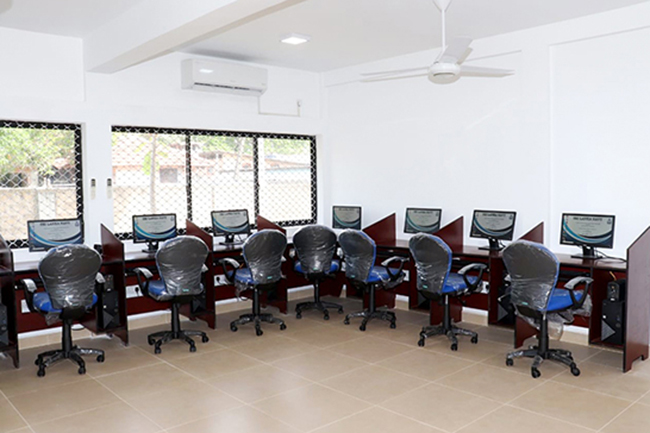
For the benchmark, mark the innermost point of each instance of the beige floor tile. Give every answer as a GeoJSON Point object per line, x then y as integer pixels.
{"type": "Point", "coordinates": [134, 383]}
{"type": "Point", "coordinates": [497, 334]}
{"type": "Point", "coordinates": [645, 399]}
{"type": "Point", "coordinates": [371, 349]}
{"type": "Point", "coordinates": [177, 349]}
{"type": "Point", "coordinates": [580, 353]}
{"type": "Point", "coordinates": [47, 404]}
{"type": "Point", "coordinates": [441, 407]}
{"type": "Point", "coordinates": [274, 348]}
{"type": "Point", "coordinates": [213, 364]}
{"type": "Point", "coordinates": [490, 382]}
{"type": "Point", "coordinates": [466, 350]}
{"type": "Point", "coordinates": [601, 378]}
{"type": "Point", "coordinates": [118, 417]}
{"type": "Point", "coordinates": [374, 384]}
{"type": "Point", "coordinates": [571, 404]}
{"type": "Point", "coordinates": [257, 383]}
{"type": "Point", "coordinates": [609, 358]}
{"type": "Point", "coordinates": [243, 419]}
{"type": "Point", "coordinates": [10, 419]}
{"type": "Point", "coordinates": [419, 318]}
{"type": "Point", "coordinates": [377, 420]}
{"type": "Point", "coordinates": [406, 333]}
{"type": "Point", "coordinates": [513, 420]}
{"type": "Point", "coordinates": [635, 419]}
{"type": "Point", "coordinates": [425, 364]}
{"type": "Point", "coordinates": [102, 342]}
{"type": "Point", "coordinates": [183, 404]}
{"type": "Point", "coordinates": [317, 337]}
{"type": "Point", "coordinates": [549, 369]}
{"type": "Point", "coordinates": [319, 365]}
{"type": "Point", "coordinates": [310, 407]}
{"type": "Point", "coordinates": [126, 359]}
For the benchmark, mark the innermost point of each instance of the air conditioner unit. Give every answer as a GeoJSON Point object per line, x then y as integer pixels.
{"type": "Point", "coordinates": [215, 76]}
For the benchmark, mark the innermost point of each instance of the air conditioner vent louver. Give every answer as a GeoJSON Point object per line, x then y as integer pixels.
{"type": "Point", "coordinates": [223, 77]}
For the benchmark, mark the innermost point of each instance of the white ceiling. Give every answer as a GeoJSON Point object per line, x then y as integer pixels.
{"type": "Point", "coordinates": [344, 32]}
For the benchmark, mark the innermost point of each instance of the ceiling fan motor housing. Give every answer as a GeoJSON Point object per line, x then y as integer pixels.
{"type": "Point", "coordinates": [443, 73]}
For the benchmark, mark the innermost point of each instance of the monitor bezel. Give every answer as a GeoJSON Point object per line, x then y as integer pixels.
{"type": "Point", "coordinates": [35, 250]}
{"type": "Point", "coordinates": [144, 241]}
{"type": "Point", "coordinates": [589, 215]}
{"type": "Point", "coordinates": [479, 235]}
{"type": "Point", "coordinates": [406, 225]}
{"type": "Point", "coordinates": [344, 206]}
{"type": "Point", "coordinates": [220, 233]}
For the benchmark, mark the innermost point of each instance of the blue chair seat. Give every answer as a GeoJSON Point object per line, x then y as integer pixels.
{"type": "Point", "coordinates": [378, 273]}
{"type": "Point", "coordinates": [561, 299]}
{"type": "Point", "coordinates": [158, 290]}
{"type": "Point", "coordinates": [334, 267]}
{"type": "Point", "coordinates": [456, 283]}
{"type": "Point", "coordinates": [43, 303]}
{"type": "Point", "coordinates": [243, 275]}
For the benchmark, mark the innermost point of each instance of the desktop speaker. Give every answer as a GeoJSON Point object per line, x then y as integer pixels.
{"type": "Point", "coordinates": [616, 290]}
{"type": "Point", "coordinates": [108, 306]}
{"type": "Point", "coordinates": [613, 322]}
{"type": "Point", "coordinates": [4, 326]}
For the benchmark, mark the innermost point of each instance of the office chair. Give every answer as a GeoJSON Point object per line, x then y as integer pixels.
{"type": "Point", "coordinates": [437, 284]}
{"type": "Point", "coordinates": [315, 245]}
{"type": "Point", "coordinates": [534, 273]}
{"type": "Point", "coordinates": [70, 275]}
{"type": "Point", "coordinates": [263, 254]}
{"type": "Point", "coordinates": [181, 264]}
{"type": "Point", "coordinates": [359, 254]}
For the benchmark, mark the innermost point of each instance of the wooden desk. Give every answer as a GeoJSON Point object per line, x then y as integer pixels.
{"type": "Point", "coordinates": [7, 295]}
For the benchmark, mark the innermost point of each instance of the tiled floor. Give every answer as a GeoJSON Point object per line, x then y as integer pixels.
{"type": "Point", "coordinates": [324, 377]}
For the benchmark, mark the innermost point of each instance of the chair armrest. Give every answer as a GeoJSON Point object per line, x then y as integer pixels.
{"type": "Point", "coordinates": [571, 286]}
{"type": "Point", "coordinates": [143, 275]}
{"type": "Point", "coordinates": [229, 274]}
{"type": "Point", "coordinates": [29, 288]}
{"type": "Point", "coordinates": [386, 264]}
{"type": "Point", "coordinates": [204, 269]}
{"type": "Point", "coordinates": [480, 267]}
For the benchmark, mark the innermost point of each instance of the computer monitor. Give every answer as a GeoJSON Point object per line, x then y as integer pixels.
{"type": "Point", "coordinates": [151, 229]}
{"type": "Point", "coordinates": [588, 232]}
{"type": "Point", "coordinates": [45, 234]}
{"type": "Point", "coordinates": [346, 217]}
{"type": "Point", "coordinates": [229, 223]}
{"type": "Point", "coordinates": [420, 220]}
{"type": "Point", "coordinates": [494, 226]}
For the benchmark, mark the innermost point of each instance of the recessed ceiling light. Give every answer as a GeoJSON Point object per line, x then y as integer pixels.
{"type": "Point", "coordinates": [295, 39]}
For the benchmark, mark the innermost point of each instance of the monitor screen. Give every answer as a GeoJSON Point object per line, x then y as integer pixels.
{"type": "Point", "coordinates": [230, 222]}
{"type": "Point", "coordinates": [420, 220]}
{"type": "Point", "coordinates": [346, 217]}
{"type": "Point", "coordinates": [153, 228]}
{"type": "Point", "coordinates": [492, 224]}
{"type": "Point", "coordinates": [587, 230]}
{"type": "Point", "coordinates": [45, 234]}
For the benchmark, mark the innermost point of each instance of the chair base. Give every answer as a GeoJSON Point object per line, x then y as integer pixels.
{"type": "Point", "coordinates": [563, 356]}
{"type": "Point", "coordinates": [257, 319]}
{"type": "Point", "coordinates": [319, 305]}
{"type": "Point", "coordinates": [157, 339]}
{"type": "Point", "coordinates": [368, 315]}
{"type": "Point", "coordinates": [450, 331]}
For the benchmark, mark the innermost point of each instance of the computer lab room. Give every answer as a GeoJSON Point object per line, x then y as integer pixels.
{"type": "Point", "coordinates": [324, 216]}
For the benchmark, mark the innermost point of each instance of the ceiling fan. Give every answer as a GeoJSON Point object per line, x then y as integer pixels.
{"type": "Point", "coordinates": [448, 67]}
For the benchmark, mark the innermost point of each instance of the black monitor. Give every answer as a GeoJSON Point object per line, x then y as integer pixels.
{"type": "Point", "coordinates": [420, 220]}
{"type": "Point", "coordinates": [346, 217]}
{"type": "Point", "coordinates": [588, 232]}
{"type": "Point", "coordinates": [493, 225]}
{"type": "Point", "coordinates": [229, 223]}
{"type": "Point", "coordinates": [45, 234]}
{"type": "Point", "coordinates": [151, 229]}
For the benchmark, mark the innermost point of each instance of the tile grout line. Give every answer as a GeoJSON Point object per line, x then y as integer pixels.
{"type": "Point", "coordinates": [17, 411]}
{"type": "Point", "coordinates": [624, 410]}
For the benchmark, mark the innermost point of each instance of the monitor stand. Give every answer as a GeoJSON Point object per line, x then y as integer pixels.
{"type": "Point", "coordinates": [494, 245]}
{"type": "Point", "coordinates": [230, 241]}
{"type": "Point", "coordinates": [588, 253]}
{"type": "Point", "coordinates": [152, 247]}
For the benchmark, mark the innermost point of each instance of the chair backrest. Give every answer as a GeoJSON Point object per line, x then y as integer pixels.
{"type": "Point", "coordinates": [315, 246]}
{"type": "Point", "coordinates": [533, 270]}
{"type": "Point", "coordinates": [359, 254]}
{"type": "Point", "coordinates": [263, 253]}
{"type": "Point", "coordinates": [68, 273]}
{"type": "Point", "coordinates": [179, 261]}
{"type": "Point", "coordinates": [432, 260]}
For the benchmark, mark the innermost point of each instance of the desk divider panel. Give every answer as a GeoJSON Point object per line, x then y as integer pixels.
{"type": "Point", "coordinates": [637, 301]}
{"type": "Point", "coordinates": [113, 264]}
{"type": "Point", "coordinates": [264, 224]}
{"type": "Point", "coordinates": [452, 234]}
{"type": "Point", "coordinates": [206, 312]}
{"type": "Point", "coordinates": [8, 298]}
{"type": "Point", "coordinates": [383, 233]}
{"type": "Point", "coordinates": [536, 234]}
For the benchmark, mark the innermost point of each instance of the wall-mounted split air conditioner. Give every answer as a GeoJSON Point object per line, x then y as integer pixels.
{"type": "Point", "coordinates": [216, 76]}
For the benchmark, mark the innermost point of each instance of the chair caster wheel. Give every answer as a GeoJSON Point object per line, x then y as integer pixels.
{"type": "Point", "coordinates": [37, 362]}
{"type": "Point", "coordinates": [393, 325]}
{"type": "Point", "coordinates": [204, 339]}
{"type": "Point", "coordinates": [362, 327]}
{"type": "Point", "coordinates": [421, 342]}
{"type": "Point", "coordinates": [283, 327]}
{"type": "Point", "coordinates": [298, 315]}
{"type": "Point", "coordinates": [346, 322]}
{"type": "Point", "coordinates": [192, 349]}
{"type": "Point", "coordinates": [454, 347]}
{"type": "Point", "coordinates": [41, 372]}
{"type": "Point", "coordinates": [535, 373]}
{"type": "Point", "coordinates": [340, 310]}
{"type": "Point", "coordinates": [258, 332]}
{"type": "Point", "coordinates": [157, 351]}
{"type": "Point", "coordinates": [474, 340]}
{"type": "Point", "coordinates": [151, 341]}
{"type": "Point", "coordinates": [575, 370]}
{"type": "Point", "coordinates": [326, 316]}
{"type": "Point", "coordinates": [100, 358]}
{"type": "Point", "coordinates": [510, 362]}
{"type": "Point", "coordinates": [82, 370]}
{"type": "Point", "coordinates": [233, 328]}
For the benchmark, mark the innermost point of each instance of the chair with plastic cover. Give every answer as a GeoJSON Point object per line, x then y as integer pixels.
{"type": "Point", "coordinates": [70, 275]}
{"type": "Point", "coordinates": [314, 245]}
{"type": "Point", "coordinates": [263, 255]}
{"type": "Point", "coordinates": [437, 283]}
{"type": "Point", "coordinates": [359, 255]}
{"type": "Point", "coordinates": [181, 264]}
{"type": "Point", "coordinates": [534, 271]}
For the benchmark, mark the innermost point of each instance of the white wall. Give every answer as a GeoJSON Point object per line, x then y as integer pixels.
{"type": "Point", "coordinates": [568, 132]}
{"type": "Point", "coordinates": [42, 79]}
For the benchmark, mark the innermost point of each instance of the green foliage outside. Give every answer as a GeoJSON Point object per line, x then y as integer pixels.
{"type": "Point", "coordinates": [26, 149]}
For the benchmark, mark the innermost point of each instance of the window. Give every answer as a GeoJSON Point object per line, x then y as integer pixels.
{"type": "Point", "coordinates": [193, 172]}
{"type": "Point", "coordinates": [40, 175]}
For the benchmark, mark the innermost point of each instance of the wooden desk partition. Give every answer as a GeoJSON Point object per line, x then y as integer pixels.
{"type": "Point", "coordinates": [8, 298]}
{"type": "Point", "coordinates": [536, 234]}
{"type": "Point", "coordinates": [264, 224]}
{"type": "Point", "coordinates": [637, 302]}
{"type": "Point", "coordinates": [206, 311]}
{"type": "Point", "coordinates": [113, 264]}
{"type": "Point", "coordinates": [383, 231]}
{"type": "Point", "coordinates": [452, 234]}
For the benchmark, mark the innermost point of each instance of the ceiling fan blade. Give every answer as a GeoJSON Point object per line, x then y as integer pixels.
{"type": "Point", "coordinates": [395, 71]}
{"type": "Point", "coordinates": [455, 50]}
{"type": "Point", "coordinates": [479, 71]}
{"type": "Point", "coordinates": [397, 77]}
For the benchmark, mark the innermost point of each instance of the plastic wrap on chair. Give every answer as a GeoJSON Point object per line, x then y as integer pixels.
{"type": "Point", "coordinates": [68, 274]}
{"type": "Point", "coordinates": [263, 253]}
{"type": "Point", "coordinates": [359, 254]}
{"type": "Point", "coordinates": [315, 245]}
{"type": "Point", "coordinates": [180, 261]}
{"type": "Point", "coordinates": [432, 260]}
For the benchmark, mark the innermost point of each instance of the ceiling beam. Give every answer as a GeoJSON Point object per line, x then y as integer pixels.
{"type": "Point", "coordinates": [153, 28]}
